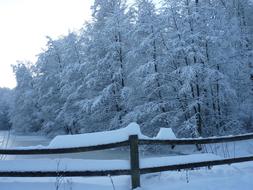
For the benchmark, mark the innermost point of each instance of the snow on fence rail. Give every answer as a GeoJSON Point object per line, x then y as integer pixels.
{"type": "Point", "coordinates": [129, 136]}
{"type": "Point", "coordinates": [113, 139]}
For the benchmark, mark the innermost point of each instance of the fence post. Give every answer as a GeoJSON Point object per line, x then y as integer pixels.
{"type": "Point", "coordinates": [134, 159]}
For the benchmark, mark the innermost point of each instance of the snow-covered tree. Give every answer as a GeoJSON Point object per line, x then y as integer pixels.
{"type": "Point", "coordinates": [185, 64]}
{"type": "Point", "coordinates": [5, 102]}
{"type": "Point", "coordinates": [107, 47]}
{"type": "Point", "coordinates": [24, 113]}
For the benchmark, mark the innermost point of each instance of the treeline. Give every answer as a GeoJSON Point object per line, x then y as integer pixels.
{"type": "Point", "coordinates": [185, 64]}
{"type": "Point", "coordinates": [5, 104]}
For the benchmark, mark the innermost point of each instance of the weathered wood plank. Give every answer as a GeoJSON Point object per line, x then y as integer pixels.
{"type": "Point", "coordinates": [197, 140]}
{"type": "Point", "coordinates": [63, 150]}
{"type": "Point", "coordinates": [134, 160]}
{"type": "Point", "coordinates": [196, 165]}
{"type": "Point", "coordinates": [126, 143]}
{"type": "Point", "coordinates": [64, 173]}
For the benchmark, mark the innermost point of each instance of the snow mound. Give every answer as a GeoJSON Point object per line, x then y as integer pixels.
{"type": "Point", "coordinates": [165, 134]}
{"type": "Point", "coordinates": [99, 138]}
{"type": "Point", "coordinates": [93, 139]}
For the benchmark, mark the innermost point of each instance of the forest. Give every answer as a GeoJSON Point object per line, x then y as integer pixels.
{"type": "Point", "coordinates": [180, 64]}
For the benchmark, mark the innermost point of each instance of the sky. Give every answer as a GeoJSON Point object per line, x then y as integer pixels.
{"type": "Point", "coordinates": [24, 24]}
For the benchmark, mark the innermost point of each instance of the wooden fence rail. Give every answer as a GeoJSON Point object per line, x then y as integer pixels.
{"type": "Point", "coordinates": [196, 165]}
{"type": "Point", "coordinates": [135, 171]}
{"type": "Point", "coordinates": [185, 141]}
{"type": "Point", "coordinates": [146, 170]}
{"type": "Point", "coordinates": [63, 150]}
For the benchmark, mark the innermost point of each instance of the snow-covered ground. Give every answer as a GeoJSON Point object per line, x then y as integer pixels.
{"type": "Point", "coordinates": [228, 177]}
{"type": "Point", "coordinates": [98, 165]}
{"type": "Point", "coordinates": [233, 177]}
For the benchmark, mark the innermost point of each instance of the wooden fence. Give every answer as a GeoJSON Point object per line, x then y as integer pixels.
{"type": "Point", "coordinates": [135, 171]}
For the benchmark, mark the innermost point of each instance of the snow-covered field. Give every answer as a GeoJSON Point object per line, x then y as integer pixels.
{"type": "Point", "coordinates": [98, 165]}
{"type": "Point", "coordinates": [233, 177]}
{"type": "Point", "coordinates": [228, 177]}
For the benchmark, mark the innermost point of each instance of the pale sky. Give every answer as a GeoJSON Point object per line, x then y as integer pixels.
{"type": "Point", "coordinates": [25, 23]}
